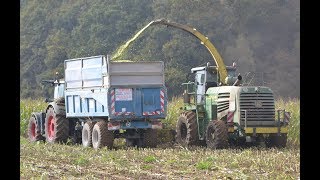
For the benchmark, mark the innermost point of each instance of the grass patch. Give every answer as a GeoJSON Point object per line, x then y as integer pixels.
{"type": "Point", "coordinates": [150, 159]}
{"type": "Point", "coordinates": [173, 112]}
{"type": "Point", "coordinates": [146, 167]}
{"type": "Point", "coordinates": [81, 161]}
{"type": "Point", "coordinates": [204, 165]}
{"type": "Point", "coordinates": [293, 106]}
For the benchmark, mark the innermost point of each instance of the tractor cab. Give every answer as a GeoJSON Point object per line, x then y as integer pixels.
{"type": "Point", "coordinates": [59, 88]}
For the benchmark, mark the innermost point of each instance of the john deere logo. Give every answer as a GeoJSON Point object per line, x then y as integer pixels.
{"type": "Point", "coordinates": [258, 104]}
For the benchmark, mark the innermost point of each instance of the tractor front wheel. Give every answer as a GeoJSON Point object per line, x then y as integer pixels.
{"type": "Point", "coordinates": [33, 130]}
{"type": "Point", "coordinates": [217, 134]}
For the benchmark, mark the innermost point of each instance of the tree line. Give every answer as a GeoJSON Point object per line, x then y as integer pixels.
{"type": "Point", "coordinates": [260, 36]}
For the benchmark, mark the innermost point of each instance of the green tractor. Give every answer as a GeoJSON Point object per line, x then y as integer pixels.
{"type": "Point", "coordinates": [219, 115]}
{"type": "Point", "coordinates": [220, 111]}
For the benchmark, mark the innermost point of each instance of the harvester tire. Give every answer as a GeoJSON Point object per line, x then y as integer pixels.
{"type": "Point", "coordinates": [187, 129]}
{"type": "Point", "coordinates": [217, 134]}
{"type": "Point", "coordinates": [277, 141]}
{"type": "Point", "coordinates": [56, 127]}
{"type": "Point", "coordinates": [101, 136]}
{"type": "Point", "coordinates": [87, 134]}
{"type": "Point", "coordinates": [150, 138]}
{"type": "Point", "coordinates": [34, 131]}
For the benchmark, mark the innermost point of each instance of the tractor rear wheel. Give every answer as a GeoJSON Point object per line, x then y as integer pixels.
{"type": "Point", "coordinates": [187, 129]}
{"type": "Point", "coordinates": [101, 136]}
{"type": "Point", "coordinates": [150, 138]}
{"type": "Point", "coordinates": [276, 141]}
{"type": "Point", "coordinates": [33, 130]}
{"type": "Point", "coordinates": [87, 134]}
{"type": "Point", "coordinates": [56, 127]}
{"type": "Point", "coordinates": [217, 134]}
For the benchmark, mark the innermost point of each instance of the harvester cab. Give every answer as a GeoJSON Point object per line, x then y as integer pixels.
{"type": "Point", "coordinates": [206, 77]}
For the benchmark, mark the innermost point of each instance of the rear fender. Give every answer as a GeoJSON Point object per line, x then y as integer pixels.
{"type": "Point", "coordinates": [58, 108]}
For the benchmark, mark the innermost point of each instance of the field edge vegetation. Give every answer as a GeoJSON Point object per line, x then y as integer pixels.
{"type": "Point", "coordinates": [27, 106]}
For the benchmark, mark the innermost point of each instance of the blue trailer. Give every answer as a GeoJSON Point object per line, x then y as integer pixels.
{"type": "Point", "coordinates": [100, 100]}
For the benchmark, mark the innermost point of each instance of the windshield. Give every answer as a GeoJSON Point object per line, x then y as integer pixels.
{"type": "Point", "coordinates": [211, 76]}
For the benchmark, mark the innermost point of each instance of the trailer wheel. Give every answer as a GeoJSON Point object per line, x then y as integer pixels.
{"type": "Point", "coordinates": [87, 134]}
{"type": "Point", "coordinates": [101, 136]}
{"type": "Point", "coordinates": [33, 130]}
{"type": "Point", "coordinates": [56, 127]}
{"type": "Point", "coordinates": [217, 134]}
{"type": "Point", "coordinates": [187, 129]}
{"type": "Point", "coordinates": [276, 141]}
{"type": "Point", "coordinates": [150, 138]}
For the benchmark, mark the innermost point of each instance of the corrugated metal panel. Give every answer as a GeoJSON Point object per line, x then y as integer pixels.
{"type": "Point", "coordinates": [93, 72]}
{"type": "Point", "coordinates": [73, 77]}
{"type": "Point", "coordinates": [136, 73]}
{"type": "Point", "coordinates": [85, 72]}
{"type": "Point", "coordinates": [136, 80]}
{"type": "Point", "coordinates": [87, 103]}
{"type": "Point", "coordinates": [136, 67]}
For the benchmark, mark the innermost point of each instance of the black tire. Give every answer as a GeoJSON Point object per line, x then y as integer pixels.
{"type": "Point", "coordinates": [77, 137]}
{"type": "Point", "coordinates": [34, 131]}
{"type": "Point", "coordinates": [276, 141]}
{"type": "Point", "coordinates": [135, 142]}
{"type": "Point", "coordinates": [101, 136]}
{"type": "Point", "coordinates": [187, 129]}
{"type": "Point", "coordinates": [130, 142]}
{"type": "Point", "coordinates": [87, 134]}
{"type": "Point", "coordinates": [75, 131]}
{"type": "Point", "coordinates": [150, 138]}
{"type": "Point", "coordinates": [217, 134]}
{"type": "Point", "coordinates": [56, 127]}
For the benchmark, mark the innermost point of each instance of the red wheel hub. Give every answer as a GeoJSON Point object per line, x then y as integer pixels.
{"type": "Point", "coordinates": [51, 127]}
{"type": "Point", "coordinates": [33, 130]}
